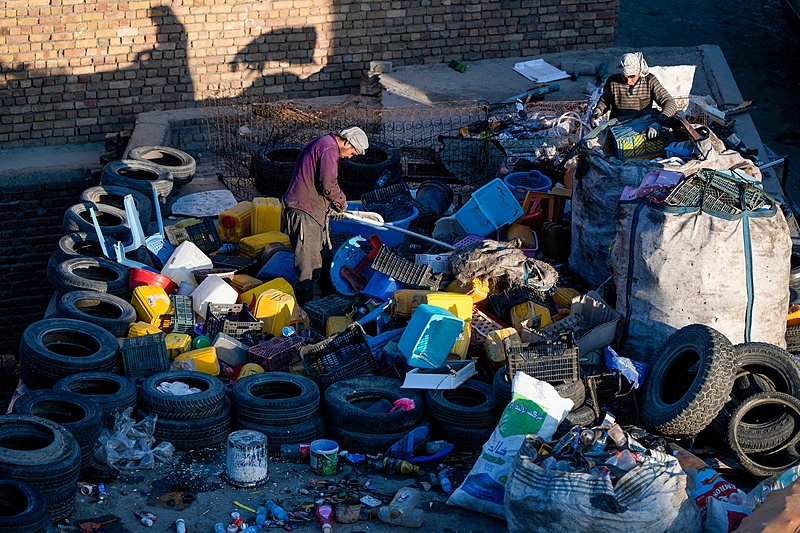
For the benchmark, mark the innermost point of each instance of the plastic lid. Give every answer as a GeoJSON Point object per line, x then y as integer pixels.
{"type": "Point", "coordinates": [228, 221]}
{"type": "Point", "coordinates": [201, 342]}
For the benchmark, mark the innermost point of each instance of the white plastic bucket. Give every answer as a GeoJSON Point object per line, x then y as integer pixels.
{"type": "Point", "coordinates": [247, 460]}
{"type": "Point", "coordinates": [324, 457]}
{"type": "Point", "coordinates": [213, 290]}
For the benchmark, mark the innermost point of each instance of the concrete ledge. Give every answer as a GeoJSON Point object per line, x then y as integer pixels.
{"type": "Point", "coordinates": [154, 128]}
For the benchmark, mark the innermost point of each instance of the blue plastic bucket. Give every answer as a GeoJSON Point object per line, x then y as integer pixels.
{"type": "Point", "coordinates": [521, 183]}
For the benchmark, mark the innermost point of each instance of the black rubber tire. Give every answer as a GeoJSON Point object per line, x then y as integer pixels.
{"type": "Point", "coordinates": [572, 390]}
{"type": "Point", "coordinates": [761, 367]}
{"type": "Point", "coordinates": [23, 508]}
{"type": "Point", "coordinates": [139, 176]}
{"type": "Point", "coordinates": [113, 221]}
{"type": "Point", "coordinates": [43, 454]}
{"type": "Point", "coordinates": [584, 416]}
{"type": "Point", "coordinates": [115, 196]}
{"type": "Point", "coordinates": [112, 392]}
{"type": "Point", "coordinates": [471, 405]}
{"type": "Point", "coordinates": [345, 403]}
{"type": "Point", "coordinates": [304, 432]}
{"type": "Point", "coordinates": [203, 404]}
{"type": "Point", "coordinates": [502, 388]}
{"type": "Point", "coordinates": [194, 434]}
{"type": "Point", "coordinates": [778, 458]}
{"type": "Point", "coordinates": [368, 443]}
{"type": "Point", "coordinates": [464, 439]}
{"type": "Point", "coordinates": [110, 312]}
{"type": "Point", "coordinates": [273, 167]}
{"type": "Point", "coordinates": [794, 274]}
{"type": "Point", "coordinates": [88, 273]}
{"type": "Point", "coordinates": [359, 173]}
{"type": "Point", "coordinates": [80, 244]}
{"type": "Point", "coordinates": [281, 398]}
{"type": "Point", "coordinates": [181, 165]}
{"type": "Point", "coordinates": [53, 348]}
{"type": "Point", "coordinates": [676, 406]}
{"type": "Point", "coordinates": [79, 414]}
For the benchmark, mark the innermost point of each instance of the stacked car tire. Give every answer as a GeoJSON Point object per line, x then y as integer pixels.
{"type": "Point", "coordinates": [111, 392]}
{"type": "Point", "coordinates": [23, 508]}
{"type": "Point", "coordinates": [465, 416]}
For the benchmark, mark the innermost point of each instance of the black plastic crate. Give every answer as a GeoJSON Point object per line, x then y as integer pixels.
{"type": "Point", "coordinates": [404, 271]}
{"type": "Point", "coordinates": [321, 309]}
{"type": "Point", "coordinates": [503, 302]}
{"type": "Point", "coordinates": [234, 320]}
{"type": "Point", "coordinates": [612, 392]}
{"type": "Point", "coordinates": [343, 356]}
{"type": "Point", "coordinates": [551, 361]}
{"type": "Point", "coordinates": [278, 354]}
{"type": "Point", "coordinates": [144, 356]}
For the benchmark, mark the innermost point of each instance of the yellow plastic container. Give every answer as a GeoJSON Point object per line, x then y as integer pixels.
{"type": "Point", "coordinates": [793, 318]}
{"type": "Point", "coordinates": [494, 345]}
{"type": "Point", "coordinates": [267, 214]}
{"type": "Point", "coordinates": [205, 359]}
{"type": "Point", "coordinates": [177, 343]}
{"type": "Point", "coordinates": [150, 303]}
{"type": "Point", "coordinates": [336, 324]}
{"type": "Point", "coordinates": [243, 283]}
{"type": "Point", "coordinates": [564, 295]}
{"type": "Point", "coordinates": [140, 329]}
{"type": "Point", "coordinates": [403, 301]}
{"type": "Point", "coordinates": [458, 304]}
{"type": "Point", "coordinates": [279, 284]}
{"type": "Point", "coordinates": [274, 308]}
{"type": "Point", "coordinates": [253, 246]}
{"type": "Point", "coordinates": [526, 311]}
{"type": "Point", "coordinates": [234, 223]}
{"type": "Point", "coordinates": [249, 369]}
{"type": "Point", "coordinates": [461, 346]}
{"type": "Point", "coordinates": [479, 290]}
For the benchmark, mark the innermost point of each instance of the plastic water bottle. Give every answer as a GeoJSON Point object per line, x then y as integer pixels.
{"type": "Point", "coordinates": [412, 518]}
{"type": "Point", "coordinates": [276, 510]}
{"type": "Point", "coordinates": [219, 527]}
{"type": "Point", "coordinates": [180, 526]}
{"type": "Point", "coordinates": [404, 501]}
{"type": "Point", "coordinates": [444, 481]}
{"type": "Point", "coordinates": [261, 515]}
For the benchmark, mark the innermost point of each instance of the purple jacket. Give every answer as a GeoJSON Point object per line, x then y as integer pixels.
{"type": "Point", "coordinates": [314, 182]}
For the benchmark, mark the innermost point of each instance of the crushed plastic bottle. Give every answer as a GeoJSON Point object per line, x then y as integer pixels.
{"type": "Point", "coordinates": [404, 501]}
{"type": "Point", "coordinates": [444, 481]}
{"type": "Point", "coordinates": [276, 510]}
{"type": "Point", "coordinates": [219, 527]}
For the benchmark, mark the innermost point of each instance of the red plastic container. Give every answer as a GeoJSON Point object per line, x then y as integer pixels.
{"type": "Point", "coordinates": [140, 276]}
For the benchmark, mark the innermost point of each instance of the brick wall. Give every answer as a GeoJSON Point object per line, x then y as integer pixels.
{"type": "Point", "coordinates": [74, 70]}
{"type": "Point", "coordinates": [31, 218]}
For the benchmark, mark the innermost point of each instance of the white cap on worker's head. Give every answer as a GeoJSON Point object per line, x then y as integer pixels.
{"type": "Point", "coordinates": [633, 64]}
{"type": "Point", "coordinates": [356, 137]}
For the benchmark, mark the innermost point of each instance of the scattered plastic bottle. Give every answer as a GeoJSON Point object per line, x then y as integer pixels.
{"type": "Point", "coordinates": [394, 466]}
{"type": "Point", "coordinates": [623, 460]}
{"type": "Point", "coordinates": [276, 510]}
{"type": "Point", "coordinates": [102, 493]}
{"type": "Point", "coordinates": [180, 526]}
{"type": "Point", "coordinates": [219, 527]}
{"type": "Point", "coordinates": [413, 518]}
{"type": "Point", "coordinates": [404, 501]}
{"type": "Point", "coordinates": [435, 446]}
{"type": "Point", "coordinates": [444, 481]}
{"type": "Point", "coordinates": [232, 528]}
{"type": "Point", "coordinates": [261, 515]}
{"type": "Point", "coordinates": [324, 517]}
{"type": "Point", "coordinates": [295, 451]}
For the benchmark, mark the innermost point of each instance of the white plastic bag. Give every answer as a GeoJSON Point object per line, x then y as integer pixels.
{"type": "Point", "coordinates": [128, 445]}
{"type": "Point", "coordinates": [535, 409]}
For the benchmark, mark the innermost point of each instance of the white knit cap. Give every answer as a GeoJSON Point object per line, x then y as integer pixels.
{"type": "Point", "coordinates": [356, 137]}
{"type": "Point", "coordinates": [633, 64]}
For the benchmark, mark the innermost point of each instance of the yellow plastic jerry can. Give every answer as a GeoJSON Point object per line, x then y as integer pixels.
{"type": "Point", "coordinates": [336, 324]}
{"type": "Point", "coordinates": [494, 345]}
{"type": "Point", "coordinates": [140, 329]}
{"type": "Point", "coordinates": [403, 301]}
{"type": "Point", "coordinates": [458, 304]}
{"type": "Point", "coordinates": [234, 223]}
{"type": "Point", "coordinates": [564, 295]}
{"type": "Point", "coordinates": [249, 369]}
{"type": "Point", "coordinates": [274, 308]}
{"type": "Point", "coordinates": [150, 303]}
{"type": "Point", "coordinates": [267, 213]}
{"type": "Point", "coordinates": [205, 360]}
{"type": "Point", "coordinates": [461, 346]}
{"type": "Point", "coordinates": [526, 311]}
{"type": "Point", "coordinates": [253, 246]}
{"type": "Point", "coordinates": [279, 284]}
{"type": "Point", "coordinates": [177, 343]}
{"type": "Point", "coordinates": [243, 283]}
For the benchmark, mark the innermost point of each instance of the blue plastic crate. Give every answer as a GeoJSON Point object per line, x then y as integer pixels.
{"type": "Point", "coordinates": [490, 208]}
{"type": "Point", "coordinates": [429, 336]}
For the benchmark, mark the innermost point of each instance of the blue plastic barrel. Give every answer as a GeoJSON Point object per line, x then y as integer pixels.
{"type": "Point", "coordinates": [521, 183]}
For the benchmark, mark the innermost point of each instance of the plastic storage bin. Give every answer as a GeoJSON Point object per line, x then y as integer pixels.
{"type": "Point", "coordinates": [229, 350]}
{"type": "Point", "coordinates": [253, 246]}
{"type": "Point", "coordinates": [144, 356]}
{"type": "Point", "coordinates": [520, 183]}
{"type": "Point", "coordinates": [274, 308]}
{"type": "Point", "coordinates": [213, 290]}
{"type": "Point", "coordinates": [182, 319]}
{"type": "Point", "coordinates": [277, 354]}
{"type": "Point", "coordinates": [235, 223]}
{"type": "Point", "coordinates": [150, 303]}
{"type": "Point", "coordinates": [205, 360]}
{"type": "Point", "coordinates": [382, 287]}
{"type": "Point", "coordinates": [417, 276]}
{"type": "Point", "coordinates": [184, 260]}
{"type": "Point", "coordinates": [267, 215]}
{"type": "Point", "coordinates": [346, 355]}
{"type": "Point", "coordinates": [631, 142]}
{"type": "Point", "coordinates": [389, 238]}
{"type": "Point", "coordinates": [491, 207]}
{"type": "Point", "coordinates": [278, 263]}
{"type": "Point", "coordinates": [552, 361]}
{"type": "Point", "coordinates": [458, 304]}
{"type": "Point", "coordinates": [334, 305]}
{"type": "Point", "coordinates": [429, 336]}
{"type": "Point", "coordinates": [594, 322]}
{"type": "Point", "coordinates": [278, 284]}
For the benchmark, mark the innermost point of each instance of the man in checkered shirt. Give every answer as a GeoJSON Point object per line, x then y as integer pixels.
{"type": "Point", "coordinates": [632, 90]}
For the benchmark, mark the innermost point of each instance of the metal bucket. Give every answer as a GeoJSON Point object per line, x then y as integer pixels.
{"type": "Point", "coordinates": [247, 462]}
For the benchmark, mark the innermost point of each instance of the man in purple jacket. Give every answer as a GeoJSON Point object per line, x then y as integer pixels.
{"type": "Point", "coordinates": [313, 190]}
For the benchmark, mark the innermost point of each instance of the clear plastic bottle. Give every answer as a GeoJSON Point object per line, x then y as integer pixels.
{"type": "Point", "coordinates": [403, 502]}
{"type": "Point", "coordinates": [413, 518]}
{"type": "Point", "coordinates": [180, 526]}
{"type": "Point", "coordinates": [444, 481]}
{"type": "Point", "coordinates": [276, 510]}
{"type": "Point", "coordinates": [251, 529]}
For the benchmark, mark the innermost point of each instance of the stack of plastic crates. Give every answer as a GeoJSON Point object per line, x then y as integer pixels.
{"type": "Point", "coordinates": [503, 302]}
{"type": "Point", "coordinates": [612, 392]}
{"type": "Point", "coordinates": [343, 356]}
{"type": "Point", "coordinates": [417, 276]}
{"type": "Point", "coordinates": [234, 320]}
{"type": "Point", "coordinates": [631, 142]}
{"type": "Point", "coordinates": [278, 354]}
{"type": "Point", "coordinates": [144, 356]}
{"type": "Point", "coordinates": [551, 361]}
{"type": "Point", "coordinates": [182, 318]}
{"type": "Point", "coordinates": [321, 309]}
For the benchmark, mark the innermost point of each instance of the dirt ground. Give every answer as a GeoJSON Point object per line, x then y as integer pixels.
{"type": "Point", "coordinates": [761, 51]}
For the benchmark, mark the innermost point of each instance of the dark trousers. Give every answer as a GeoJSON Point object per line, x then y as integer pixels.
{"type": "Point", "coordinates": [312, 255]}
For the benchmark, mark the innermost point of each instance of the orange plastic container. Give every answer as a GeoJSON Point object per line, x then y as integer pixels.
{"type": "Point", "coordinates": [235, 222]}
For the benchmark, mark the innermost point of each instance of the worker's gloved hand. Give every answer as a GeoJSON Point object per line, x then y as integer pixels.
{"type": "Point", "coordinates": [594, 119]}
{"type": "Point", "coordinates": [653, 131]}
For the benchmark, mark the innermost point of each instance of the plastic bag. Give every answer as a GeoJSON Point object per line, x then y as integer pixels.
{"type": "Point", "coordinates": [757, 496]}
{"type": "Point", "coordinates": [537, 409]}
{"type": "Point", "coordinates": [128, 445]}
{"type": "Point", "coordinates": [722, 505]}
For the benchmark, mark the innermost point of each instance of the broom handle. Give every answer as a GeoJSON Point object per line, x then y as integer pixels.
{"type": "Point", "coordinates": [401, 230]}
